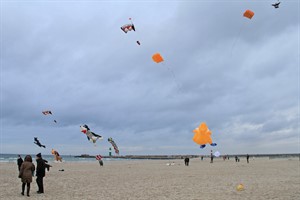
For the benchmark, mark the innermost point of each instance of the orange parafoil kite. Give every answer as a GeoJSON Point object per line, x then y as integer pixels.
{"type": "Point", "coordinates": [249, 14]}
{"type": "Point", "coordinates": [202, 136]}
{"type": "Point", "coordinates": [157, 58]}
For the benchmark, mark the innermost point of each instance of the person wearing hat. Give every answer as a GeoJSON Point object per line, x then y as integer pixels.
{"type": "Point", "coordinates": [40, 172]}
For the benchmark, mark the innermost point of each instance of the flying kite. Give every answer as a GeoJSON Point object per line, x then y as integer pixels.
{"type": "Point", "coordinates": [37, 142]}
{"type": "Point", "coordinates": [129, 27]}
{"type": "Point", "coordinates": [90, 135]}
{"type": "Point", "coordinates": [99, 158]}
{"type": "Point", "coordinates": [276, 5]}
{"type": "Point", "coordinates": [203, 136]}
{"type": "Point", "coordinates": [56, 155]}
{"type": "Point", "coordinates": [248, 14]}
{"type": "Point", "coordinates": [217, 154]}
{"type": "Point", "coordinates": [48, 112]}
{"type": "Point", "coordinates": [114, 145]}
{"type": "Point", "coordinates": [157, 57]}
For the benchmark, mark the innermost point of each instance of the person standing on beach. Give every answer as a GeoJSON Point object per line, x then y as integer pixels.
{"type": "Point", "coordinates": [19, 161]}
{"type": "Point", "coordinates": [26, 172]}
{"type": "Point", "coordinates": [211, 156]}
{"type": "Point", "coordinates": [40, 172]}
{"type": "Point", "coordinates": [186, 161]}
{"type": "Point", "coordinates": [247, 158]}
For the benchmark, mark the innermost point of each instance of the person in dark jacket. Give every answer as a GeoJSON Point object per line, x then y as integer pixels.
{"type": "Point", "coordinates": [40, 172]}
{"type": "Point", "coordinates": [186, 161]}
{"type": "Point", "coordinates": [19, 161]}
{"type": "Point", "coordinates": [26, 172]}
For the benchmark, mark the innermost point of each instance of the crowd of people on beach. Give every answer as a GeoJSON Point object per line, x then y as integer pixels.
{"type": "Point", "coordinates": [27, 169]}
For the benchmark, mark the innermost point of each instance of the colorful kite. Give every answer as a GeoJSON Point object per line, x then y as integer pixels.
{"type": "Point", "coordinates": [98, 157]}
{"type": "Point", "coordinates": [129, 27]}
{"type": "Point", "coordinates": [203, 136]}
{"type": "Point", "coordinates": [114, 145]}
{"type": "Point", "coordinates": [37, 142]}
{"type": "Point", "coordinates": [90, 135]}
{"type": "Point", "coordinates": [56, 155]}
{"type": "Point", "coordinates": [48, 112]}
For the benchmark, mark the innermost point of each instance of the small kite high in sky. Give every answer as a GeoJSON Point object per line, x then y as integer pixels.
{"type": "Point", "coordinates": [248, 14]}
{"type": "Point", "coordinates": [110, 140]}
{"type": "Point", "coordinates": [129, 27]}
{"type": "Point", "coordinates": [203, 136]}
{"type": "Point", "coordinates": [90, 135]}
{"type": "Point", "coordinates": [157, 58]}
{"type": "Point", "coordinates": [48, 112]}
{"type": "Point", "coordinates": [276, 5]}
{"type": "Point", "coordinates": [37, 142]}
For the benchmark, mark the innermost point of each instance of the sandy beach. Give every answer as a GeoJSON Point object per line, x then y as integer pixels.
{"type": "Point", "coordinates": [152, 179]}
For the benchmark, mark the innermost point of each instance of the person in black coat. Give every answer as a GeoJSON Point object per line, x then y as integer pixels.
{"type": "Point", "coordinates": [19, 161]}
{"type": "Point", "coordinates": [40, 172]}
{"type": "Point", "coordinates": [186, 161]}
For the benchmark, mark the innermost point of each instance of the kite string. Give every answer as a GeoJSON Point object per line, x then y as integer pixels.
{"type": "Point", "coordinates": [173, 74]}
{"type": "Point", "coordinates": [236, 39]}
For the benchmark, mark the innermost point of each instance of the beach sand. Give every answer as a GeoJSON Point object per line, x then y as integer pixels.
{"type": "Point", "coordinates": [152, 179]}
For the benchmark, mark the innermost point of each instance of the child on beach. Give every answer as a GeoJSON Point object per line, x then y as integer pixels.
{"type": "Point", "coordinates": [26, 171]}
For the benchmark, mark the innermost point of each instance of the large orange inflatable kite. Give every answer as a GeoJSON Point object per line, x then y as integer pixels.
{"type": "Point", "coordinates": [203, 136]}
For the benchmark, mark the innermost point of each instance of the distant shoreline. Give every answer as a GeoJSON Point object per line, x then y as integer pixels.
{"type": "Point", "coordinates": [160, 157]}
{"type": "Point", "coordinates": [167, 157]}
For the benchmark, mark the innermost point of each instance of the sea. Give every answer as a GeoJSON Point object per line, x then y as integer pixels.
{"type": "Point", "coordinates": [6, 158]}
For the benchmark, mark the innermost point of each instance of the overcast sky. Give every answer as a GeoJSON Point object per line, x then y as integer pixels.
{"type": "Point", "coordinates": [240, 76]}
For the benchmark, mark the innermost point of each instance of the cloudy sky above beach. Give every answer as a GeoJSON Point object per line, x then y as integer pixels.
{"type": "Point", "coordinates": [240, 76]}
